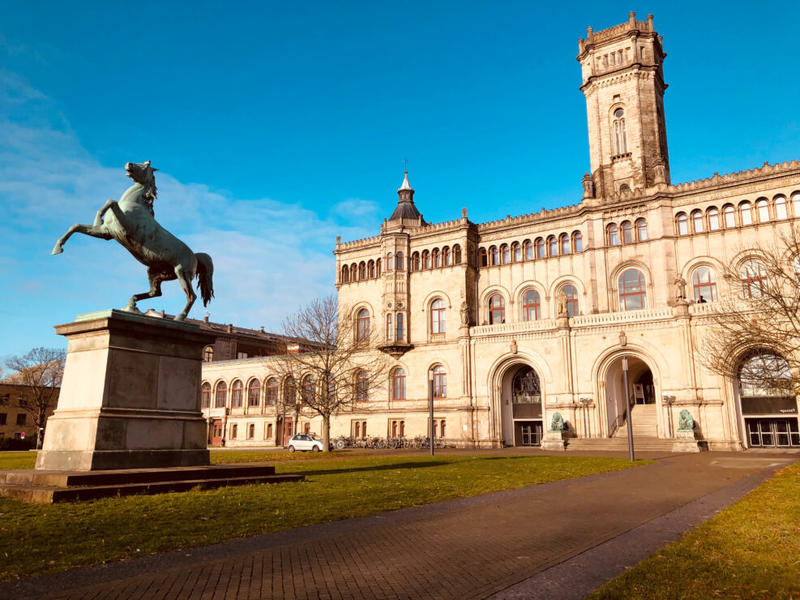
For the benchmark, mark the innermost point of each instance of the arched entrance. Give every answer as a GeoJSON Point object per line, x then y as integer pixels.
{"type": "Point", "coordinates": [521, 407]}
{"type": "Point", "coordinates": [768, 403]}
{"type": "Point", "coordinates": [642, 395]}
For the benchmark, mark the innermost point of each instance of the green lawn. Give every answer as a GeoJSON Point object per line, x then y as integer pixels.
{"type": "Point", "coordinates": [750, 550]}
{"type": "Point", "coordinates": [36, 539]}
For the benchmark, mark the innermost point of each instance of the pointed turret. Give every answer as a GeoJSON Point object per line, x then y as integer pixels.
{"type": "Point", "coordinates": [405, 209]}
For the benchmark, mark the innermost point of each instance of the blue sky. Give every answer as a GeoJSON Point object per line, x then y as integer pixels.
{"type": "Point", "coordinates": [277, 126]}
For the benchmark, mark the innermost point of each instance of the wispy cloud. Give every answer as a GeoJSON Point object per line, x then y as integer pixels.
{"type": "Point", "coordinates": [270, 257]}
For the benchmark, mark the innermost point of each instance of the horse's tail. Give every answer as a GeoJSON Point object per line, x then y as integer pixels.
{"type": "Point", "coordinates": [205, 272]}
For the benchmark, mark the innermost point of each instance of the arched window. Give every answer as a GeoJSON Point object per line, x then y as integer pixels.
{"type": "Point", "coordinates": [398, 261]}
{"type": "Point", "coordinates": [362, 386]}
{"type": "Point", "coordinates": [632, 290]}
{"type": "Point", "coordinates": [494, 257]}
{"type": "Point", "coordinates": [505, 254]}
{"type": "Point", "coordinates": [780, 208]}
{"type": "Point", "coordinates": [704, 285]}
{"type": "Point", "coordinates": [641, 230]}
{"type": "Point", "coordinates": [362, 271]}
{"type": "Point", "coordinates": [378, 267]}
{"type": "Point", "coordinates": [482, 258]}
{"type": "Point", "coordinates": [497, 309]}
{"type": "Point", "coordinates": [307, 391]}
{"type": "Point", "coordinates": [713, 218]}
{"type": "Point", "coordinates": [205, 395]}
{"type": "Point", "coordinates": [763, 210]}
{"type": "Point", "coordinates": [697, 221]}
{"type": "Point", "coordinates": [399, 384]}
{"type": "Point", "coordinates": [552, 246]}
{"type": "Point", "coordinates": [221, 395]}
{"type": "Point", "coordinates": [400, 327]}
{"type": "Point", "coordinates": [754, 278]}
{"type": "Point", "coordinates": [539, 248]}
{"type": "Point", "coordinates": [389, 262]}
{"type": "Point", "coordinates": [438, 317]}
{"type": "Point", "coordinates": [447, 257]}
{"type": "Point", "coordinates": [371, 269]}
{"type": "Point", "coordinates": [345, 278]}
{"type": "Point", "coordinates": [682, 222]}
{"type": "Point", "coordinates": [620, 136]}
{"type": "Point", "coordinates": [528, 250]}
{"type": "Point", "coordinates": [457, 254]}
{"type": "Point", "coordinates": [362, 325]}
{"type": "Point", "coordinates": [414, 266]}
{"type": "Point", "coordinates": [254, 393]}
{"type": "Point", "coordinates": [439, 382]}
{"type": "Point", "coordinates": [237, 391]}
{"type": "Point", "coordinates": [531, 307]}
{"type": "Point", "coordinates": [389, 327]}
{"type": "Point", "coordinates": [729, 213]}
{"type": "Point", "coordinates": [272, 391]}
{"type": "Point", "coordinates": [437, 258]}
{"type": "Point", "coordinates": [627, 232]}
{"type": "Point", "coordinates": [565, 245]}
{"type": "Point", "coordinates": [746, 215]}
{"type": "Point", "coordinates": [516, 252]}
{"type": "Point", "coordinates": [354, 272]}
{"type": "Point", "coordinates": [796, 204]}
{"type": "Point", "coordinates": [613, 235]}
{"type": "Point", "coordinates": [571, 292]}
{"type": "Point", "coordinates": [577, 241]}
{"type": "Point", "coordinates": [208, 354]}
{"type": "Point", "coordinates": [289, 391]}
{"type": "Point", "coordinates": [426, 259]}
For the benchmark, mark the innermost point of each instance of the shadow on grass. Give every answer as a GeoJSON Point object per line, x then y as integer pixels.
{"type": "Point", "coordinates": [392, 467]}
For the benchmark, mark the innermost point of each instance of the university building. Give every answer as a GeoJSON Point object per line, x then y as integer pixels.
{"type": "Point", "coordinates": [527, 316]}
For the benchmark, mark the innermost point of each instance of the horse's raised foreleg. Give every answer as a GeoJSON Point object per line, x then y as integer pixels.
{"type": "Point", "coordinates": [98, 218]}
{"type": "Point", "coordinates": [155, 277]}
{"type": "Point", "coordinates": [185, 279]}
{"type": "Point", "coordinates": [92, 230]}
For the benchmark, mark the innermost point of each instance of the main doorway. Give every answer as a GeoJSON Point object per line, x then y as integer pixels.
{"type": "Point", "coordinates": [642, 395]}
{"type": "Point", "coordinates": [522, 407]}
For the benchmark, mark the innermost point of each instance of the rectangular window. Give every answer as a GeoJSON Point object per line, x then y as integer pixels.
{"type": "Point", "coordinates": [21, 418]}
{"type": "Point", "coordinates": [251, 431]}
{"type": "Point", "coordinates": [268, 432]}
{"type": "Point", "coordinates": [234, 431]}
{"type": "Point", "coordinates": [399, 327]}
{"type": "Point", "coordinates": [388, 327]}
{"type": "Point", "coordinates": [3, 418]}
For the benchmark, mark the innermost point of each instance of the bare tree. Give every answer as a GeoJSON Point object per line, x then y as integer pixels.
{"type": "Point", "coordinates": [40, 371]}
{"type": "Point", "coordinates": [335, 369]}
{"type": "Point", "coordinates": [754, 334]}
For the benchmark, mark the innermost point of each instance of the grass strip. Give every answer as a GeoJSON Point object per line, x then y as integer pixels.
{"type": "Point", "coordinates": [749, 550]}
{"type": "Point", "coordinates": [36, 539]}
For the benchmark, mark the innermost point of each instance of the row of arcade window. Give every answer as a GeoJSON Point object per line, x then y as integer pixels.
{"type": "Point", "coordinates": [528, 250]}
{"type": "Point", "coordinates": [626, 232]}
{"type": "Point", "coordinates": [435, 259]}
{"type": "Point", "coordinates": [362, 271]}
{"type": "Point", "coordinates": [763, 211]}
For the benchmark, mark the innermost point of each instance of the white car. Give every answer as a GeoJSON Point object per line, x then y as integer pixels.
{"type": "Point", "coordinates": [304, 442]}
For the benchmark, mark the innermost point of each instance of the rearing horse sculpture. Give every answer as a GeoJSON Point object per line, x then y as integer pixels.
{"type": "Point", "coordinates": [131, 222]}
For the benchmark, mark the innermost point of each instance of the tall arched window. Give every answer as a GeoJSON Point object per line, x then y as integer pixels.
{"type": "Point", "coordinates": [354, 272]}
{"type": "Point", "coordinates": [208, 354]}
{"type": "Point", "coordinates": [362, 271]}
{"type": "Point", "coordinates": [528, 249]}
{"type": "Point", "coordinates": [307, 390]}
{"type": "Point", "coordinates": [398, 261]}
{"type": "Point", "coordinates": [641, 230]}
{"type": "Point", "coordinates": [745, 213]}
{"type": "Point", "coordinates": [754, 278]}
{"type": "Point", "coordinates": [577, 241]}
{"type": "Point", "coordinates": [437, 258]}
{"type": "Point", "coordinates": [362, 325]}
{"type": "Point", "coordinates": [389, 262]}
{"type": "Point", "coordinates": [539, 248]}
{"type": "Point", "coordinates": [221, 395]}
{"type": "Point", "coordinates": [704, 284]}
{"type": "Point", "coordinates": [400, 327]}
{"type": "Point", "coordinates": [378, 267]}
{"type": "Point", "coordinates": [697, 221]}
{"type": "Point", "coordinates": [729, 213]}
{"type": "Point", "coordinates": [389, 327]}
{"type": "Point", "coordinates": [254, 393]}
{"type": "Point", "coordinates": [399, 384]}
{"type": "Point", "coordinates": [627, 232]}
{"type": "Point", "coordinates": [763, 210]}
{"type": "Point", "coordinates": [456, 254]}
{"type": "Point", "coordinates": [497, 310]}
{"type": "Point", "coordinates": [426, 259]}
{"type": "Point", "coordinates": [482, 258]}
{"type": "Point", "coordinates": [571, 292]}
{"type": "Point", "coordinates": [272, 391]}
{"type": "Point", "coordinates": [682, 221]}
{"type": "Point", "coordinates": [237, 391]}
{"type": "Point", "coordinates": [345, 278]}
{"type": "Point", "coordinates": [531, 306]}
{"type": "Point", "coordinates": [780, 208]}
{"type": "Point", "coordinates": [494, 257]}
{"type": "Point", "coordinates": [613, 235]}
{"type": "Point", "coordinates": [632, 290]}
{"type": "Point", "coordinates": [552, 246]}
{"type": "Point", "coordinates": [205, 395]}
{"type": "Point", "coordinates": [362, 386]}
{"type": "Point", "coordinates": [371, 269]}
{"type": "Point", "coordinates": [289, 391]}
{"type": "Point", "coordinates": [438, 317]}
{"type": "Point", "coordinates": [713, 218]}
{"type": "Point", "coordinates": [439, 382]}
{"type": "Point", "coordinates": [796, 204]}
{"type": "Point", "coordinates": [447, 257]}
{"type": "Point", "coordinates": [516, 252]}
{"type": "Point", "coordinates": [620, 135]}
{"type": "Point", "coordinates": [505, 254]}
{"type": "Point", "coordinates": [565, 245]}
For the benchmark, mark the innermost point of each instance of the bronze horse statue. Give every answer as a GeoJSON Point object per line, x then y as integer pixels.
{"type": "Point", "coordinates": [131, 222]}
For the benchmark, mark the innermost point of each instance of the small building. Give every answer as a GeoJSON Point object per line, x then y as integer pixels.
{"type": "Point", "coordinates": [15, 421]}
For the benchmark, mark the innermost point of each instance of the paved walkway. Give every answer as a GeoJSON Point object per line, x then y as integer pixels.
{"type": "Point", "coordinates": [508, 543]}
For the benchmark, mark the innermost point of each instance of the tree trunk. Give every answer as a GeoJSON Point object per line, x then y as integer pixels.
{"type": "Point", "coordinates": [326, 433]}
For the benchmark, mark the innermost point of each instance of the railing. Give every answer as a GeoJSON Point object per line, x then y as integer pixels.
{"type": "Point", "coordinates": [519, 327]}
{"type": "Point", "coordinates": [648, 314]}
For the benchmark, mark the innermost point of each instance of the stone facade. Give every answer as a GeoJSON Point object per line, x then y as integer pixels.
{"type": "Point", "coordinates": [532, 315]}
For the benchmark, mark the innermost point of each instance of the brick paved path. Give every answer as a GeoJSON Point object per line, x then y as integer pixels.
{"type": "Point", "coordinates": [468, 548]}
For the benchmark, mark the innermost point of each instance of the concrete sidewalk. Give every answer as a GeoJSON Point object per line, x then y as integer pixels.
{"type": "Point", "coordinates": [507, 543]}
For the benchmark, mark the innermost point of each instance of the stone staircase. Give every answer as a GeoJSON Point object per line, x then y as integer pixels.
{"type": "Point", "coordinates": [645, 427]}
{"type": "Point", "coordinates": [645, 422]}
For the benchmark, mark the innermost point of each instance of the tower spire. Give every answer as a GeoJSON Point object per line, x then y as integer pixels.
{"type": "Point", "coordinates": [405, 209]}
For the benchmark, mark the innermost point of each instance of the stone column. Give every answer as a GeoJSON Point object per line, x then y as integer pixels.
{"type": "Point", "coordinates": [130, 397]}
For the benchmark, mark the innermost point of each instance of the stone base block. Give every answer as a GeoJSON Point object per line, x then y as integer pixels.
{"type": "Point", "coordinates": [685, 445]}
{"type": "Point", "coordinates": [553, 441]}
{"type": "Point", "coordinates": [92, 460]}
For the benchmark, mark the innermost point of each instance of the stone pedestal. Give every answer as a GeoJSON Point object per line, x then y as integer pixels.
{"type": "Point", "coordinates": [685, 442]}
{"type": "Point", "coordinates": [553, 440]}
{"type": "Point", "coordinates": [130, 397]}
